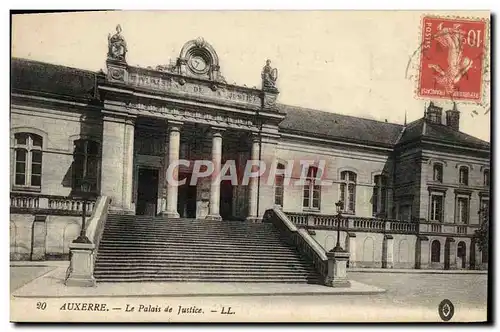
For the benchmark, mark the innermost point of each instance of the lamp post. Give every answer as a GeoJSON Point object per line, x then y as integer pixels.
{"type": "Point", "coordinates": [85, 193]}
{"type": "Point", "coordinates": [339, 206]}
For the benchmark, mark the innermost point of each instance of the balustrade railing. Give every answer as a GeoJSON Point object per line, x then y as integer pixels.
{"type": "Point", "coordinates": [376, 224]}
{"type": "Point", "coordinates": [50, 204]}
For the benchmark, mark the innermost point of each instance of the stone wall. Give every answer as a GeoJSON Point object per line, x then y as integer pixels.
{"type": "Point", "coordinates": [47, 238]}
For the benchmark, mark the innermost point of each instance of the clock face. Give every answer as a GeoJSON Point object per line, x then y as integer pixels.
{"type": "Point", "coordinates": [198, 63]}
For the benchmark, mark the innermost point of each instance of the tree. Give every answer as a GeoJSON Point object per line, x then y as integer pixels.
{"type": "Point", "coordinates": [482, 234]}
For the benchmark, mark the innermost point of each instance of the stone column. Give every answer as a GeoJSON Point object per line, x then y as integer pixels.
{"type": "Point", "coordinates": [388, 251]}
{"type": "Point", "coordinates": [422, 252]}
{"type": "Point", "coordinates": [117, 160]}
{"type": "Point", "coordinates": [216, 176]}
{"type": "Point", "coordinates": [174, 134]}
{"type": "Point", "coordinates": [39, 236]}
{"type": "Point", "coordinates": [253, 183]}
{"type": "Point", "coordinates": [128, 165]}
{"type": "Point", "coordinates": [450, 242]}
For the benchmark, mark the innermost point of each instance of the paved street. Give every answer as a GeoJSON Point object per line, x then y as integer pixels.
{"type": "Point", "coordinates": [409, 296]}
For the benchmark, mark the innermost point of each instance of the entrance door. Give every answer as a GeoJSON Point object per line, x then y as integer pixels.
{"type": "Point", "coordinates": [147, 192]}
{"type": "Point", "coordinates": [186, 202]}
{"type": "Point", "coordinates": [226, 200]}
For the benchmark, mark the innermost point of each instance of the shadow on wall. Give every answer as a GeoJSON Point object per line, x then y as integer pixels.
{"type": "Point", "coordinates": [90, 130]}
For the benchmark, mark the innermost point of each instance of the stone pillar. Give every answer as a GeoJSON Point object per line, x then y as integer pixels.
{"type": "Point", "coordinates": [388, 252]}
{"type": "Point", "coordinates": [117, 160]}
{"type": "Point", "coordinates": [352, 249]}
{"type": "Point", "coordinates": [39, 235]}
{"type": "Point", "coordinates": [216, 176]}
{"type": "Point", "coordinates": [254, 182]}
{"type": "Point", "coordinates": [174, 134]}
{"type": "Point", "coordinates": [337, 268]}
{"type": "Point", "coordinates": [452, 253]}
{"type": "Point", "coordinates": [422, 252]}
{"type": "Point", "coordinates": [81, 272]}
{"type": "Point", "coordinates": [128, 165]}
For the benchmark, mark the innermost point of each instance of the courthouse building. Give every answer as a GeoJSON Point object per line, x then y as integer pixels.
{"type": "Point", "coordinates": [416, 188]}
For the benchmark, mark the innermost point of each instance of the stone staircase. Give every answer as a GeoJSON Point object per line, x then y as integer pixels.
{"type": "Point", "coordinates": [140, 248]}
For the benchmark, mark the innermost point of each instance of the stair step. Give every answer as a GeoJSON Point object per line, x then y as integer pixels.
{"type": "Point", "coordinates": [173, 243]}
{"type": "Point", "coordinates": [184, 238]}
{"type": "Point", "coordinates": [214, 279]}
{"type": "Point", "coordinates": [187, 257]}
{"type": "Point", "coordinates": [205, 269]}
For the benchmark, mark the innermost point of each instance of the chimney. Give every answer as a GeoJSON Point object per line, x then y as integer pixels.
{"type": "Point", "coordinates": [453, 118]}
{"type": "Point", "coordinates": [434, 113]}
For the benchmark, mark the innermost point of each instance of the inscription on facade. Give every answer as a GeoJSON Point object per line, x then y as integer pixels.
{"type": "Point", "coordinates": [171, 85]}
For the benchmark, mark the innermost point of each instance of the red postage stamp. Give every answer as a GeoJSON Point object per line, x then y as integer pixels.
{"type": "Point", "coordinates": [451, 59]}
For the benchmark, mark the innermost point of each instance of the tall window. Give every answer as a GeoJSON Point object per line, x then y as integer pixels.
{"type": "Point", "coordinates": [463, 176]}
{"type": "Point", "coordinates": [486, 178]}
{"type": "Point", "coordinates": [379, 197]}
{"type": "Point", "coordinates": [436, 208]}
{"type": "Point", "coordinates": [85, 163]}
{"type": "Point", "coordinates": [405, 212]}
{"type": "Point", "coordinates": [28, 159]}
{"type": "Point", "coordinates": [312, 190]}
{"type": "Point", "coordinates": [278, 186]}
{"type": "Point", "coordinates": [462, 210]}
{"type": "Point", "coordinates": [435, 251]}
{"type": "Point", "coordinates": [437, 174]}
{"type": "Point", "coordinates": [348, 191]}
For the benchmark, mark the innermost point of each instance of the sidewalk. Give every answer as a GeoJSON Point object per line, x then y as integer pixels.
{"type": "Point", "coordinates": [52, 285]}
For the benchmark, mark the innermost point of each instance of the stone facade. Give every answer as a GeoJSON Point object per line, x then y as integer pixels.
{"type": "Point", "coordinates": [143, 120]}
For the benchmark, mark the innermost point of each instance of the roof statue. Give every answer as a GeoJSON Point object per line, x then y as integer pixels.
{"type": "Point", "coordinates": [269, 76]}
{"type": "Point", "coordinates": [117, 46]}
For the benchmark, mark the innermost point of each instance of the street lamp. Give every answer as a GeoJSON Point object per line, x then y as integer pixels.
{"type": "Point", "coordinates": [85, 194]}
{"type": "Point", "coordinates": [339, 206]}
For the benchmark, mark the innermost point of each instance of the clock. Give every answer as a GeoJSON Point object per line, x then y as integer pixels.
{"type": "Point", "coordinates": [198, 64]}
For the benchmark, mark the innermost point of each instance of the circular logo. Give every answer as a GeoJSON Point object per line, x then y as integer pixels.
{"type": "Point", "coordinates": [446, 310]}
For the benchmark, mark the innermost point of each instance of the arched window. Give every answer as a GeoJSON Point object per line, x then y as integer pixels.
{"type": "Point", "coordinates": [435, 251]}
{"type": "Point", "coordinates": [28, 160]}
{"type": "Point", "coordinates": [379, 197]}
{"type": "Point", "coordinates": [85, 163]}
{"type": "Point", "coordinates": [463, 175]}
{"type": "Point", "coordinates": [312, 190]}
{"type": "Point", "coordinates": [279, 185]}
{"type": "Point", "coordinates": [348, 191]}
{"type": "Point", "coordinates": [437, 173]}
{"type": "Point", "coordinates": [486, 178]}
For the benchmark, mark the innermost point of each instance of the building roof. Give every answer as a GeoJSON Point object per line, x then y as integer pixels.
{"type": "Point", "coordinates": [40, 77]}
{"type": "Point", "coordinates": [44, 78]}
{"type": "Point", "coordinates": [337, 126]}
{"type": "Point", "coordinates": [423, 128]}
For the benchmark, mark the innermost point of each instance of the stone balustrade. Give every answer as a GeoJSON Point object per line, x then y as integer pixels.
{"type": "Point", "coordinates": [377, 225]}
{"type": "Point", "coordinates": [48, 204]}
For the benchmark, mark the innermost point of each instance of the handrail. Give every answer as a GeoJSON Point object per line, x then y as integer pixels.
{"type": "Point", "coordinates": [299, 238]}
{"type": "Point", "coordinates": [96, 222]}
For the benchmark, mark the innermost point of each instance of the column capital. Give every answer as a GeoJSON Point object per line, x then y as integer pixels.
{"type": "Point", "coordinates": [174, 125]}
{"type": "Point", "coordinates": [217, 131]}
{"type": "Point", "coordinates": [255, 137]}
{"type": "Point", "coordinates": [121, 117]}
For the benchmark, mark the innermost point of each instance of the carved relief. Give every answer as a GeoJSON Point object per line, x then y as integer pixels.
{"type": "Point", "coordinates": [183, 115]}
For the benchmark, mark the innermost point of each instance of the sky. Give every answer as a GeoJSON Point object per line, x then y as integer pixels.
{"type": "Point", "coordinates": [356, 63]}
